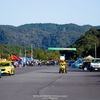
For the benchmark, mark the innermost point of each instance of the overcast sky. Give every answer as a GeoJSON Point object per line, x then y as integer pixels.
{"type": "Point", "coordinates": [80, 12]}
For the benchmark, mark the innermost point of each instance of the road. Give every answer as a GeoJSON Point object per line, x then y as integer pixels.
{"type": "Point", "coordinates": [45, 83]}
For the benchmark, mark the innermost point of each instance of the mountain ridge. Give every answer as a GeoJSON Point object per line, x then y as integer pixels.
{"type": "Point", "coordinates": [42, 35]}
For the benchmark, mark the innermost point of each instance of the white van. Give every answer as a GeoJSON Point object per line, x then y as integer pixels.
{"type": "Point", "coordinates": [95, 64]}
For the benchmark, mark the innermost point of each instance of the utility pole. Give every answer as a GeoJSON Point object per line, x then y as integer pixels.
{"type": "Point", "coordinates": [31, 51]}
{"type": "Point", "coordinates": [95, 51]}
{"type": "Point", "coordinates": [25, 57]}
{"type": "Point", "coordinates": [25, 52]}
{"type": "Point", "coordinates": [20, 53]}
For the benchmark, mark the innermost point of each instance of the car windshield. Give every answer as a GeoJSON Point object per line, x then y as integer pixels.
{"type": "Point", "coordinates": [4, 64]}
{"type": "Point", "coordinates": [96, 60]}
{"type": "Point", "coordinates": [71, 61]}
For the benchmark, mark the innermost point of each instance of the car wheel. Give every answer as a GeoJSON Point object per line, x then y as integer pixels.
{"type": "Point", "coordinates": [85, 68]}
{"type": "Point", "coordinates": [9, 73]}
{"type": "Point", "coordinates": [90, 69]}
{"type": "Point", "coordinates": [13, 72]}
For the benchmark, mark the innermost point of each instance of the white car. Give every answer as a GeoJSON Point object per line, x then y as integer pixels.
{"type": "Point", "coordinates": [95, 64]}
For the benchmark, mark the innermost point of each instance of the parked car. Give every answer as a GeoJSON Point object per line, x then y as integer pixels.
{"type": "Point", "coordinates": [95, 64]}
{"type": "Point", "coordinates": [7, 67]}
{"type": "Point", "coordinates": [0, 73]}
{"type": "Point", "coordinates": [77, 63]}
{"type": "Point", "coordinates": [71, 62]}
{"type": "Point", "coordinates": [86, 66]}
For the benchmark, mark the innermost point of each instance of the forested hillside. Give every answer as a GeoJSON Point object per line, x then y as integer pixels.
{"type": "Point", "coordinates": [42, 35]}
{"type": "Point", "coordinates": [87, 44]}
{"type": "Point", "coordinates": [7, 50]}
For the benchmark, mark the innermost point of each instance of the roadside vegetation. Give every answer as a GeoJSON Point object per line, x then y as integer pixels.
{"type": "Point", "coordinates": [7, 50]}
{"type": "Point", "coordinates": [42, 36]}
{"type": "Point", "coordinates": [87, 44]}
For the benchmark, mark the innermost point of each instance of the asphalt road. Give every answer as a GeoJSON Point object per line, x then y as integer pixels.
{"type": "Point", "coordinates": [45, 83]}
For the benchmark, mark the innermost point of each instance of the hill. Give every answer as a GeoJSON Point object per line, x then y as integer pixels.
{"type": "Point", "coordinates": [87, 44]}
{"type": "Point", "coordinates": [42, 35]}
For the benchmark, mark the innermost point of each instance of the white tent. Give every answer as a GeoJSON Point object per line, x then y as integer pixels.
{"type": "Point", "coordinates": [89, 57]}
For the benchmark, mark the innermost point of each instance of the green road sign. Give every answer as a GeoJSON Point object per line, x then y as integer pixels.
{"type": "Point", "coordinates": [50, 48]}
